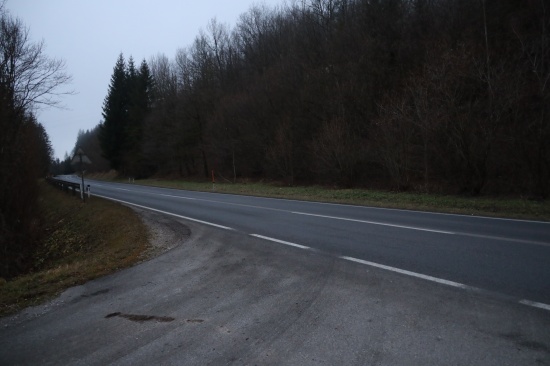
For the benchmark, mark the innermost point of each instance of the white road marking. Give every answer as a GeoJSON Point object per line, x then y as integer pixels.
{"type": "Point", "coordinates": [412, 274]}
{"type": "Point", "coordinates": [490, 237]}
{"type": "Point", "coordinates": [363, 207]}
{"type": "Point", "coordinates": [377, 223]}
{"type": "Point", "coordinates": [220, 202]}
{"type": "Point", "coordinates": [172, 196]}
{"type": "Point", "coordinates": [352, 259]}
{"type": "Point", "coordinates": [122, 189]}
{"type": "Point", "coordinates": [389, 209]}
{"type": "Point", "coordinates": [280, 241]}
{"type": "Point", "coordinates": [166, 213]}
{"type": "Point", "coordinates": [439, 280]}
{"type": "Point", "coordinates": [501, 238]}
{"type": "Point", "coordinates": [535, 304]}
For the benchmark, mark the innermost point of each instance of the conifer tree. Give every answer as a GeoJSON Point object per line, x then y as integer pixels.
{"type": "Point", "coordinates": [126, 105]}
{"type": "Point", "coordinates": [115, 116]}
{"type": "Point", "coordinates": [145, 86]}
{"type": "Point", "coordinates": [139, 105]}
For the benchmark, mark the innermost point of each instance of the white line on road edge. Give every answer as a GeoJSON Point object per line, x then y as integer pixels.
{"type": "Point", "coordinates": [166, 213]}
{"type": "Point", "coordinates": [377, 223]}
{"type": "Point", "coordinates": [280, 241]}
{"type": "Point", "coordinates": [535, 304]}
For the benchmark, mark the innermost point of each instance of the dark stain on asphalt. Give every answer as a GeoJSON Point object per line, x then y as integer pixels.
{"type": "Point", "coordinates": [100, 292]}
{"type": "Point", "coordinates": [141, 318]}
{"type": "Point", "coordinates": [85, 296]}
{"type": "Point", "coordinates": [195, 320]}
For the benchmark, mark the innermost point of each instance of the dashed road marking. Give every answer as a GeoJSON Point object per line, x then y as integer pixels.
{"type": "Point", "coordinates": [410, 273]}
{"type": "Point", "coordinates": [376, 223]}
{"type": "Point", "coordinates": [539, 305]}
{"type": "Point", "coordinates": [439, 280]}
{"type": "Point", "coordinates": [280, 241]}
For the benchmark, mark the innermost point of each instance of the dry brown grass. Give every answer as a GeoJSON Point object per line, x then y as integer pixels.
{"type": "Point", "coordinates": [82, 241]}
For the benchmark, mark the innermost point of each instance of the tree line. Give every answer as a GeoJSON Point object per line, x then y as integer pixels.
{"type": "Point", "coordinates": [28, 79]}
{"type": "Point", "coordinates": [428, 95]}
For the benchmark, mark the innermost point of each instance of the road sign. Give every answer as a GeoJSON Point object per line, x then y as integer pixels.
{"type": "Point", "coordinates": [80, 157]}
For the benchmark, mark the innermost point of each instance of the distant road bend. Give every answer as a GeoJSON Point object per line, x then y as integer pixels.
{"type": "Point", "coordinates": [507, 257]}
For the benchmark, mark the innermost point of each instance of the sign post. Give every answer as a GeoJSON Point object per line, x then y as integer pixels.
{"type": "Point", "coordinates": [80, 157]}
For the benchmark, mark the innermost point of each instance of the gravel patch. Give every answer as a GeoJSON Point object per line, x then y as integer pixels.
{"type": "Point", "coordinates": [165, 233]}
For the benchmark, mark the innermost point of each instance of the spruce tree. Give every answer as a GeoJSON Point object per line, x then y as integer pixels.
{"type": "Point", "coordinates": [125, 107]}
{"type": "Point", "coordinates": [139, 86]}
{"type": "Point", "coordinates": [115, 116]}
{"type": "Point", "coordinates": [145, 86]}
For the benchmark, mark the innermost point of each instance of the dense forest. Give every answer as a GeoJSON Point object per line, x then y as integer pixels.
{"type": "Point", "coordinates": [428, 95]}
{"type": "Point", "coordinates": [28, 79]}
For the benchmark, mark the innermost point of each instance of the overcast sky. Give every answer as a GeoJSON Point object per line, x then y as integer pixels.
{"type": "Point", "coordinates": [89, 36]}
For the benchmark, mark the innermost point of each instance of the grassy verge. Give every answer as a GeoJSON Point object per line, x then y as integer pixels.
{"type": "Point", "coordinates": [82, 241]}
{"type": "Point", "coordinates": [483, 206]}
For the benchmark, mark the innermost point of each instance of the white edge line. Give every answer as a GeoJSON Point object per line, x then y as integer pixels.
{"type": "Point", "coordinates": [409, 273]}
{"type": "Point", "coordinates": [535, 304]}
{"type": "Point", "coordinates": [165, 212]}
{"type": "Point", "coordinates": [280, 241]}
{"type": "Point", "coordinates": [376, 223]}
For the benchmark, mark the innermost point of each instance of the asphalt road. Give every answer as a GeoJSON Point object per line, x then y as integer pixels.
{"type": "Point", "coordinates": [223, 297]}
{"type": "Point", "coordinates": [506, 257]}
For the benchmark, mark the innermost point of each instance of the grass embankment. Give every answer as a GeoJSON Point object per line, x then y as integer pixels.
{"type": "Point", "coordinates": [482, 206]}
{"type": "Point", "coordinates": [82, 241]}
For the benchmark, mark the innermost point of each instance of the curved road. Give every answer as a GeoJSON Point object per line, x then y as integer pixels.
{"type": "Point", "coordinates": [508, 257]}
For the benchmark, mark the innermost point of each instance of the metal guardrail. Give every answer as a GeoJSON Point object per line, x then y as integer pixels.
{"type": "Point", "coordinates": [64, 185]}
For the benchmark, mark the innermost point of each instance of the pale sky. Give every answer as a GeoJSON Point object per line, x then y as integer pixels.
{"type": "Point", "coordinates": [90, 34]}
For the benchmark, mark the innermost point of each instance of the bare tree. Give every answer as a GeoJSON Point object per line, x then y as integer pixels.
{"type": "Point", "coordinates": [337, 151]}
{"type": "Point", "coordinates": [32, 78]}
{"type": "Point", "coordinates": [535, 47]}
{"type": "Point", "coordinates": [28, 80]}
{"type": "Point", "coordinates": [281, 153]}
{"type": "Point", "coordinates": [218, 42]}
{"type": "Point", "coordinates": [395, 141]}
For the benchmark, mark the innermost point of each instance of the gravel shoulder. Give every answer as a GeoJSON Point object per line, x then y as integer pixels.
{"type": "Point", "coordinates": [210, 296]}
{"type": "Point", "coordinates": [164, 233]}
